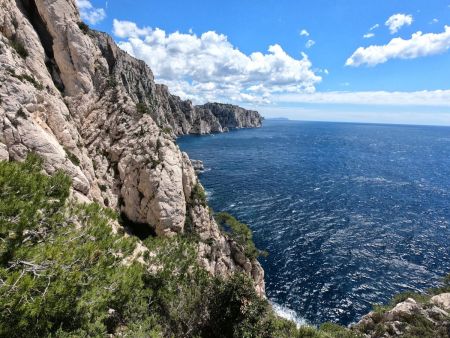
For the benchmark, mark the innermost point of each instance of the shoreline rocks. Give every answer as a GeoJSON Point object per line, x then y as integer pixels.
{"type": "Point", "coordinates": [198, 166]}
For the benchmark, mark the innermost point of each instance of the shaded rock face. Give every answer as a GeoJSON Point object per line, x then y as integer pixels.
{"type": "Point", "coordinates": [89, 109]}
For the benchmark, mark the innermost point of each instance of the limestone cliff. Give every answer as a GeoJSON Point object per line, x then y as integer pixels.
{"type": "Point", "coordinates": [72, 96]}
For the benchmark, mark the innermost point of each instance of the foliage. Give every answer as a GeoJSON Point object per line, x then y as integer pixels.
{"type": "Point", "coordinates": [72, 157]}
{"type": "Point", "coordinates": [19, 48]}
{"type": "Point", "coordinates": [418, 325]}
{"type": "Point", "coordinates": [167, 130]}
{"type": "Point", "coordinates": [142, 108]}
{"type": "Point", "coordinates": [62, 273]}
{"type": "Point", "coordinates": [198, 195]}
{"type": "Point", "coordinates": [401, 297]}
{"type": "Point", "coordinates": [111, 82]}
{"type": "Point", "coordinates": [240, 232]}
{"type": "Point", "coordinates": [26, 77]}
{"type": "Point", "coordinates": [56, 277]}
{"type": "Point", "coordinates": [84, 27]}
{"type": "Point", "coordinates": [155, 163]}
{"type": "Point", "coordinates": [335, 330]}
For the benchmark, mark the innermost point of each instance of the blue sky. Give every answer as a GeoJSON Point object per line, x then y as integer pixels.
{"type": "Point", "coordinates": [395, 81]}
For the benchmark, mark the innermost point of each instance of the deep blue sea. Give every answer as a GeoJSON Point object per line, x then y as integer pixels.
{"type": "Point", "coordinates": [350, 213]}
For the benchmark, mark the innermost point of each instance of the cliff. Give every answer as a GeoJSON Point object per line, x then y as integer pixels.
{"type": "Point", "coordinates": [70, 95]}
{"type": "Point", "coordinates": [105, 133]}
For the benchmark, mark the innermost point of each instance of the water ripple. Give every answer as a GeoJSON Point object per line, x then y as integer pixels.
{"type": "Point", "coordinates": [349, 213]}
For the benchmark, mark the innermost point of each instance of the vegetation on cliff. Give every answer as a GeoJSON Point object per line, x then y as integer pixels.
{"type": "Point", "coordinates": [63, 272]}
{"type": "Point", "coordinates": [240, 232]}
{"type": "Point", "coordinates": [411, 314]}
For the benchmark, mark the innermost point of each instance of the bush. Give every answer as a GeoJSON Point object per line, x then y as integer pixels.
{"type": "Point", "coordinates": [19, 48]}
{"type": "Point", "coordinates": [72, 157]}
{"type": "Point", "coordinates": [167, 130]}
{"type": "Point", "coordinates": [111, 82]}
{"type": "Point", "coordinates": [142, 108]}
{"type": "Point", "coordinates": [84, 27]}
{"type": "Point", "coordinates": [198, 195]}
{"type": "Point", "coordinates": [56, 278]}
{"type": "Point", "coordinates": [240, 232]}
{"type": "Point", "coordinates": [28, 78]}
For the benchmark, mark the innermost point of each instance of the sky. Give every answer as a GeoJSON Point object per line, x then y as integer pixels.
{"type": "Point", "coordinates": [383, 61]}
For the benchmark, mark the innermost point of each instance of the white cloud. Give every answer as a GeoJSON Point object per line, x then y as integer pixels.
{"type": "Point", "coordinates": [397, 21]}
{"type": "Point", "coordinates": [436, 98]}
{"type": "Point", "coordinates": [371, 35]}
{"type": "Point", "coordinates": [434, 21]}
{"type": "Point", "coordinates": [310, 43]}
{"type": "Point", "coordinates": [89, 13]}
{"type": "Point", "coordinates": [418, 46]}
{"type": "Point", "coordinates": [304, 32]}
{"type": "Point", "coordinates": [208, 67]}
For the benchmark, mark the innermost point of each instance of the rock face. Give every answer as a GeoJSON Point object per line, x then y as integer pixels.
{"type": "Point", "coordinates": [233, 117]}
{"type": "Point", "coordinates": [198, 166]}
{"type": "Point", "coordinates": [88, 108]}
{"type": "Point", "coordinates": [409, 318]}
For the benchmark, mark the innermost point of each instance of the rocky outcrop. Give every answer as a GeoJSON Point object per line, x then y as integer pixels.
{"type": "Point", "coordinates": [198, 166]}
{"type": "Point", "coordinates": [409, 318]}
{"type": "Point", "coordinates": [233, 117]}
{"type": "Point", "coordinates": [88, 108]}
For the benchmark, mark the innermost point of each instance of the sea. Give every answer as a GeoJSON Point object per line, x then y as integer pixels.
{"type": "Point", "coordinates": [350, 214]}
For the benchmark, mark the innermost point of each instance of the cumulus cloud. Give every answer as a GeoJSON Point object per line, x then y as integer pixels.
{"type": "Point", "coordinates": [89, 13]}
{"type": "Point", "coordinates": [208, 67]}
{"type": "Point", "coordinates": [304, 32]}
{"type": "Point", "coordinates": [310, 43]}
{"type": "Point", "coordinates": [418, 46]}
{"type": "Point", "coordinates": [436, 98]}
{"type": "Point", "coordinates": [397, 21]}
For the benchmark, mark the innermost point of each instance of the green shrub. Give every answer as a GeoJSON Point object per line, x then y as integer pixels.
{"type": "Point", "coordinates": [32, 80]}
{"type": "Point", "coordinates": [84, 27]}
{"type": "Point", "coordinates": [335, 330]}
{"type": "Point", "coordinates": [57, 279]}
{"type": "Point", "coordinates": [19, 48]}
{"type": "Point", "coordinates": [28, 78]}
{"type": "Point", "coordinates": [155, 163]}
{"type": "Point", "coordinates": [401, 297]}
{"type": "Point", "coordinates": [240, 232]}
{"type": "Point", "coordinates": [167, 130]}
{"type": "Point", "coordinates": [72, 157]}
{"type": "Point", "coordinates": [198, 195]}
{"type": "Point", "coordinates": [142, 108]}
{"type": "Point", "coordinates": [111, 82]}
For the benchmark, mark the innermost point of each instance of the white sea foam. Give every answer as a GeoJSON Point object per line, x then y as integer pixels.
{"type": "Point", "coordinates": [288, 314]}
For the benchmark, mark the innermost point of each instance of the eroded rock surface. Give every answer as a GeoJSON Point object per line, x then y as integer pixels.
{"type": "Point", "coordinates": [88, 108]}
{"type": "Point", "coordinates": [409, 318]}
